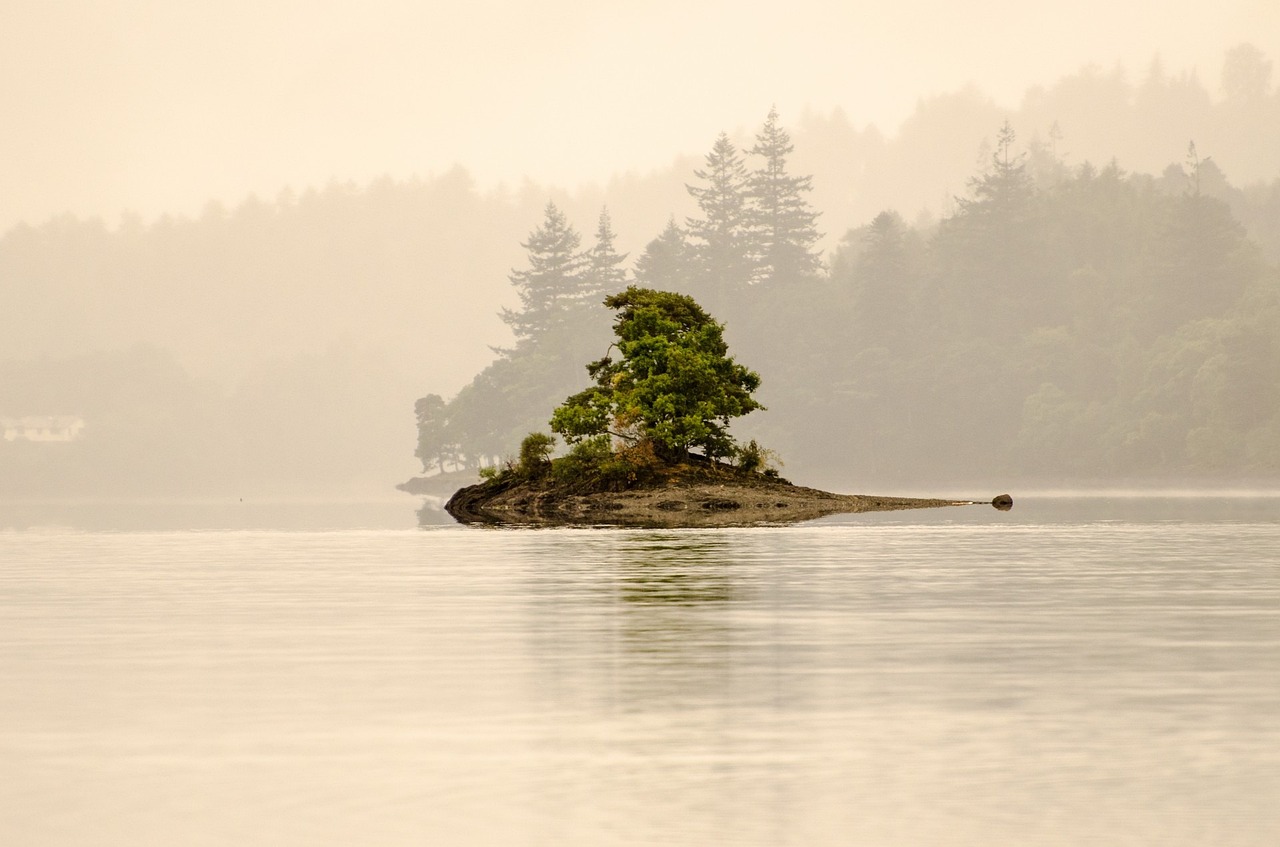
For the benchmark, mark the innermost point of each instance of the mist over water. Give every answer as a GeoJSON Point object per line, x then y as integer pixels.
{"type": "Point", "coordinates": [260, 262]}
{"type": "Point", "coordinates": [953, 677]}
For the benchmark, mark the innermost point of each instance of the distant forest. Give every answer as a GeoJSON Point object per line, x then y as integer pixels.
{"type": "Point", "coordinates": [1063, 325]}
{"type": "Point", "coordinates": [1080, 290]}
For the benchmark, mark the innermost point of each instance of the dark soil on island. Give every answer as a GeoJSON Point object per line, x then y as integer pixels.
{"type": "Point", "coordinates": [681, 495]}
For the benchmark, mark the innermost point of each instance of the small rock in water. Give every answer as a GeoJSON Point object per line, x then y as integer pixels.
{"type": "Point", "coordinates": [1003, 502]}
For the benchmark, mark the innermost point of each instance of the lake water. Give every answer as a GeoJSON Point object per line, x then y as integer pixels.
{"type": "Point", "coordinates": [1076, 671]}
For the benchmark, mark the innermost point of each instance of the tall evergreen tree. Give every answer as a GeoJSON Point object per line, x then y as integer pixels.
{"type": "Point", "coordinates": [665, 262]}
{"type": "Point", "coordinates": [1006, 189]}
{"type": "Point", "coordinates": [554, 283]}
{"type": "Point", "coordinates": [604, 272]}
{"type": "Point", "coordinates": [992, 252]}
{"type": "Point", "coordinates": [721, 252]}
{"type": "Point", "coordinates": [886, 275]}
{"type": "Point", "coordinates": [781, 221]}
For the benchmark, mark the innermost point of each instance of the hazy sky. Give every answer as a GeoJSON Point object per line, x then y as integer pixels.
{"type": "Point", "coordinates": [160, 105]}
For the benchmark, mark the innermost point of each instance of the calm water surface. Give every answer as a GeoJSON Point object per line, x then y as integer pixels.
{"type": "Point", "coordinates": [1073, 672]}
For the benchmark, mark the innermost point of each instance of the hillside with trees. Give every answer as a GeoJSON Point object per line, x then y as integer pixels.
{"type": "Point", "coordinates": [1083, 297]}
{"type": "Point", "coordinates": [1063, 326]}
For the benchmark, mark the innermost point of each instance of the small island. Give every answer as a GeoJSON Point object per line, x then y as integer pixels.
{"type": "Point", "coordinates": [649, 441]}
{"type": "Point", "coordinates": [684, 495]}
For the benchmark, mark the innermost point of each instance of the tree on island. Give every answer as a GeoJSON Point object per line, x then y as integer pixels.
{"type": "Point", "coordinates": [674, 386]}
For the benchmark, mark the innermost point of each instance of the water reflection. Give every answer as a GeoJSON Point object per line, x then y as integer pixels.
{"type": "Point", "coordinates": [1057, 684]}
{"type": "Point", "coordinates": [656, 622]}
{"type": "Point", "coordinates": [674, 569]}
{"type": "Point", "coordinates": [432, 513]}
{"type": "Point", "coordinates": [677, 638]}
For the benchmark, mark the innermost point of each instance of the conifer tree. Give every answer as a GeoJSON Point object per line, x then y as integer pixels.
{"type": "Point", "coordinates": [665, 262]}
{"type": "Point", "coordinates": [991, 252]}
{"type": "Point", "coordinates": [1006, 189]}
{"type": "Point", "coordinates": [604, 272]}
{"type": "Point", "coordinates": [554, 283]}
{"type": "Point", "coordinates": [721, 253]}
{"type": "Point", "coordinates": [780, 219]}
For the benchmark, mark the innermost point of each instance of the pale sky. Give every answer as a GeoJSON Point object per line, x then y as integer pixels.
{"type": "Point", "coordinates": [162, 105]}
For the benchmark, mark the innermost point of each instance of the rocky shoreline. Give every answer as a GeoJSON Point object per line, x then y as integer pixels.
{"type": "Point", "coordinates": [679, 500]}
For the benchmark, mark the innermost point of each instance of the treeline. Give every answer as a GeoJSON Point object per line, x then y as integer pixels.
{"type": "Point", "coordinates": [756, 232]}
{"type": "Point", "coordinates": [276, 343]}
{"type": "Point", "coordinates": [377, 266]}
{"type": "Point", "coordinates": [1142, 118]}
{"type": "Point", "coordinates": [322, 424]}
{"type": "Point", "coordinates": [1063, 325]}
{"type": "Point", "coordinates": [264, 349]}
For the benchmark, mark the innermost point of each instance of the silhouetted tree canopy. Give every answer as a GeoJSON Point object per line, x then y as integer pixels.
{"type": "Point", "coordinates": [1080, 321]}
{"type": "Point", "coordinates": [1075, 320]}
{"type": "Point", "coordinates": [721, 245]}
{"type": "Point", "coordinates": [781, 223]}
{"type": "Point", "coordinates": [604, 271]}
{"type": "Point", "coordinates": [554, 284]}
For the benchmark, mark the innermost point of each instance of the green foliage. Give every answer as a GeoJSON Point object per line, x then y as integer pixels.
{"type": "Point", "coordinates": [721, 249]}
{"type": "Point", "coordinates": [583, 459]}
{"type": "Point", "coordinates": [604, 271]}
{"type": "Point", "coordinates": [782, 224]}
{"type": "Point", "coordinates": [1061, 324]}
{"type": "Point", "coordinates": [535, 455]}
{"type": "Point", "coordinates": [674, 385]}
{"type": "Point", "coordinates": [752, 458]}
{"type": "Point", "coordinates": [592, 463]}
{"type": "Point", "coordinates": [554, 283]}
{"type": "Point", "coordinates": [666, 261]}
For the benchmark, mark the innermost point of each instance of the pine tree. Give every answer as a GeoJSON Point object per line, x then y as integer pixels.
{"type": "Point", "coordinates": [885, 273]}
{"type": "Point", "coordinates": [1006, 189]}
{"type": "Point", "coordinates": [721, 255]}
{"type": "Point", "coordinates": [554, 283]}
{"type": "Point", "coordinates": [664, 264]}
{"type": "Point", "coordinates": [604, 272]}
{"type": "Point", "coordinates": [992, 251]}
{"type": "Point", "coordinates": [781, 222]}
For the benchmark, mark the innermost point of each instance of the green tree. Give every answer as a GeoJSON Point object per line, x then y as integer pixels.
{"type": "Point", "coordinates": [555, 282]}
{"type": "Point", "coordinates": [780, 219]}
{"type": "Point", "coordinates": [535, 455]}
{"type": "Point", "coordinates": [721, 246]}
{"type": "Point", "coordinates": [991, 253]}
{"type": "Point", "coordinates": [665, 262]}
{"type": "Point", "coordinates": [1199, 263]}
{"type": "Point", "coordinates": [674, 386]}
{"type": "Point", "coordinates": [880, 264]}
{"type": "Point", "coordinates": [1004, 190]}
{"type": "Point", "coordinates": [604, 272]}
